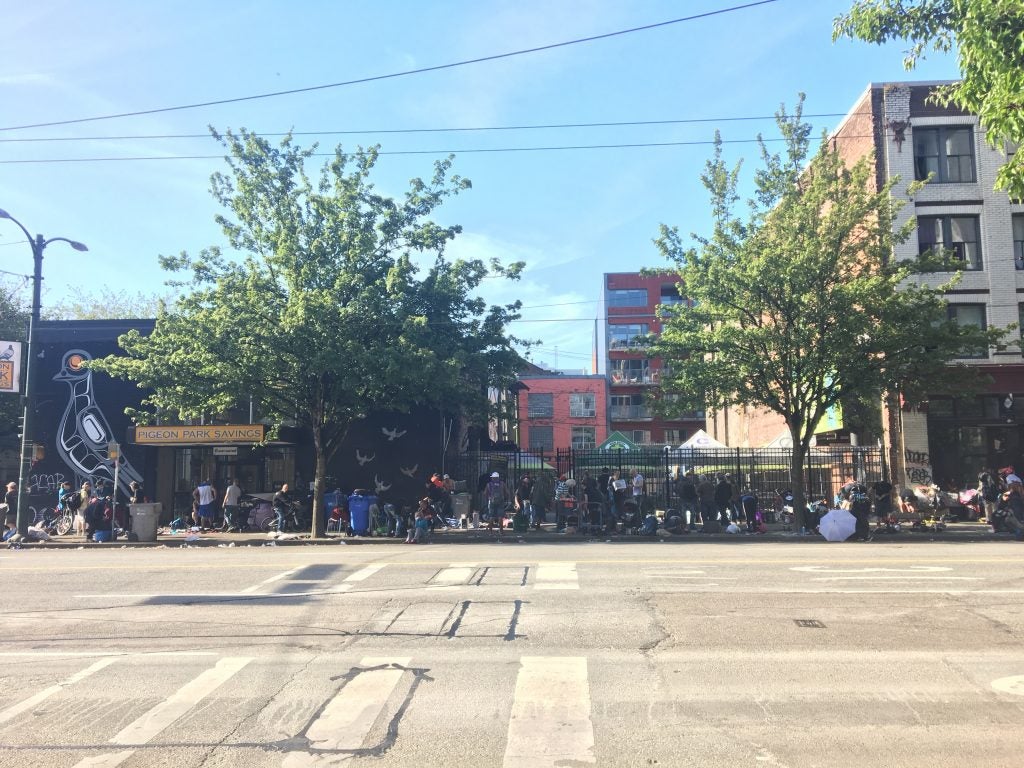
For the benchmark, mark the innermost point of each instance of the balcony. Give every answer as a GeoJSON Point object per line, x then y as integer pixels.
{"type": "Point", "coordinates": [646, 377]}
{"type": "Point", "coordinates": [619, 345]}
{"type": "Point", "coordinates": [629, 412]}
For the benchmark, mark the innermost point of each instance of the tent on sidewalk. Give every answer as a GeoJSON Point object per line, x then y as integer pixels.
{"type": "Point", "coordinates": [702, 440]}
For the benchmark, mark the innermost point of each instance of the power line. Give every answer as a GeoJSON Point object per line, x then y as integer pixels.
{"type": "Point", "coordinates": [456, 129]}
{"type": "Point", "coordinates": [393, 75]}
{"type": "Point", "coordinates": [489, 150]}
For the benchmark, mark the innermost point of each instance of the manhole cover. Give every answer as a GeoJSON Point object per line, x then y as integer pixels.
{"type": "Point", "coordinates": [810, 623]}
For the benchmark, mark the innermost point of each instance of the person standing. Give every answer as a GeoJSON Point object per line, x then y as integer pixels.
{"type": "Point", "coordinates": [638, 489]}
{"type": "Point", "coordinates": [881, 498]}
{"type": "Point", "coordinates": [860, 505]}
{"type": "Point", "coordinates": [523, 503]}
{"type": "Point", "coordinates": [723, 499]}
{"type": "Point", "coordinates": [232, 495]}
{"type": "Point", "coordinates": [989, 489]}
{"type": "Point", "coordinates": [706, 501]}
{"type": "Point", "coordinates": [11, 509]}
{"type": "Point", "coordinates": [282, 503]}
{"type": "Point", "coordinates": [204, 496]}
{"type": "Point", "coordinates": [85, 499]}
{"type": "Point", "coordinates": [687, 488]}
{"type": "Point", "coordinates": [496, 495]}
{"type": "Point", "coordinates": [540, 498]}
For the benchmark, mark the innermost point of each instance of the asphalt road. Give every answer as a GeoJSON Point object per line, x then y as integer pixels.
{"type": "Point", "coordinates": [564, 654]}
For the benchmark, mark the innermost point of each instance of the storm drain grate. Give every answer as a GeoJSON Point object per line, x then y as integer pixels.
{"type": "Point", "coordinates": [809, 623]}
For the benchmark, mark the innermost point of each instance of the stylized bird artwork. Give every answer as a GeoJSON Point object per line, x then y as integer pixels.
{"type": "Point", "coordinates": [8, 353]}
{"type": "Point", "coordinates": [363, 460]}
{"type": "Point", "coordinates": [410, 472]}
{"type": "Point", "coordinates": [393, 434]}
{"type": "Point", "coordinates": [381, 487]}
{"type": "Point", "coordinates": [83, 432]}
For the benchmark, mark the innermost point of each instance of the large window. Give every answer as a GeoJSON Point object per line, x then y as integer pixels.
{"type": "Point", "coordinates": [631, 372]}
{"type": "Point", "coordinates": [625, 407]}
{"type": "Point", "coordinates": [540, 405]}
{"type": "Point", "coordinates": [670, 294]}
{"type": "Point", "coordinates": [675, 436]}
{"type": "Point", "coordinates": [969, 314]}
{"type": "Point", "coordinates": [627, 297]}
{"type": "Point", "coordinates": [946, 152]}
{"type": "Point", "coordinates": [1018, 240]}
{"type": "Point", "coordinates": [627, 335]}
{"type": "Point", "coordinates": [542, 438]}
{"type": "Point", "coordinates": [957, 235]}
{"type": "Point", "coordinates": [582, 405]}
{"type": "Point", "coordinates": [584, 438]}
{"type": "Point", "coordinates": [639, 436]}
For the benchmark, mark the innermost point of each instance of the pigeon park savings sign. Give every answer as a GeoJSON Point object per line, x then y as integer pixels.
{"type": "Point", "coordinates": [189, 435]}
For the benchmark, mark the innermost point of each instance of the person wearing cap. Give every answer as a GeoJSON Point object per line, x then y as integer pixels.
{"type": "Point", "coordinates": [496, 495]}
{"type": "Point", "coordinates": [524, 492]}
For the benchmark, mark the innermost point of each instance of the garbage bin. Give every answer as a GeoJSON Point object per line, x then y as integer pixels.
{"type": "Point", "coordinates": [145, 519]}
{"type": "Point", "coordinates": [359, 513]}
{"type": "Point", "coordinates": [460, 505]}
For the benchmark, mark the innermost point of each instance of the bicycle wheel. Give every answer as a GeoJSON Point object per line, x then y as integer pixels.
{"type": "Point", "coordinates": [269, 524]}
{"type": "Point", "coordinates": [65, 523]}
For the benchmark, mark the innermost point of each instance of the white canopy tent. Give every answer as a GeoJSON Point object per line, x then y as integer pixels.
{"type": "Point", "coordinates": [701, 439]}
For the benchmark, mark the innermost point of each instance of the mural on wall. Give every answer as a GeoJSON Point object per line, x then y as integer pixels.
{"type": "Point", "coordinates": [84, 432]}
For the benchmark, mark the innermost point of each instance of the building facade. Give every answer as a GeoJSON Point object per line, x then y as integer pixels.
{"type": "Point", "coordinates": [630, 301]}
{"type": "Point", "coordinates": [562, 411]}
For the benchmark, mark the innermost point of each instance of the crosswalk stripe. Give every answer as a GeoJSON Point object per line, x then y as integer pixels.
{"type": "Point", "coordinates": [347, 719]}
{"type": "Point", "coordinates": [164, 714]}
{"type": "Point", "coordinates": [364, 573]}
{"type": "Point", "coordinates": [455, 574]}
{"type": "Point", "coordinates": [16, 709]}
{"type": "Point", "coordinates": [557, 576]}
{"type": "Point", "coordinates": [271, 580]}
{"type": "Point", "coordinates": [550, 723]}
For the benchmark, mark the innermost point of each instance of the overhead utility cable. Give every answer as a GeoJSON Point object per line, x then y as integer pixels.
{"type": "Point", "coordinates": [392, 75]}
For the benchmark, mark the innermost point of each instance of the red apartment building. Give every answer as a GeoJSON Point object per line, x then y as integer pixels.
{"type": "Point", "coordinates": [561, 411]}
{"type": "Point", "coordinates": [631, 300]}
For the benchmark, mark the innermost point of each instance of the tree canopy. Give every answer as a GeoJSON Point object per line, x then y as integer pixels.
{"type": "Point", "coordinates": [796, 303]}
{"type": "Point", "coordinates": [324, 316]}
{"type": "Point", "coordinates": [105, 304]}
{"type": "Point", "coordinates": [989, 38]}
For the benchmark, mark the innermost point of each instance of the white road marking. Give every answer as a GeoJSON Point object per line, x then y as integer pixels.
{"type": "Point", "coordinates": [454, 575]}
{"type": "Point", "coordinates": [557, 576]}
{"type": "Point", "coordinates": [911, 569]}
{"type": "Point", "coordinates": [164, 714]}
{"type": "Point", "coordinates": [13, 711]}
{"type": "Point", "coordinates": [347, 719]}
{"type": "Point", "coordinates": [271, 580]}
{"type": "Point", "coordinates": [88, 654]}
{"type": "Point", "coordinates": [1013, 685]}
{"type": "Point", "coordinates": [550, 723]}
{"type": "Point", "coordinates": [899, 578]}
{"type": "Point", "coordinates": [365, 573]}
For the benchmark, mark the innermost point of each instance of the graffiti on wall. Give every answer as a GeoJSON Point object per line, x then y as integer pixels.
{"type": "Point", "coordinates": [919, 467]}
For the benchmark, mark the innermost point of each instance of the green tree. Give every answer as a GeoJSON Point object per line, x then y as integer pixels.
{"type": "Point", "coordinates": [323, 318]}
{"type": "Point", "coordinates": [989, 38]}
{"type": "Point", "coordinates": [105, 305]}
{"type": "Point", "coordinates": [14, 327]}
{"type": "Point", "coordinates": [798, 305]}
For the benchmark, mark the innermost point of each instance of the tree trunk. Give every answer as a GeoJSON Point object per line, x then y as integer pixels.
{"type": "Point", "coordinates": [796, 477]}
{"type": "Point", "coordinates": [317, 526]}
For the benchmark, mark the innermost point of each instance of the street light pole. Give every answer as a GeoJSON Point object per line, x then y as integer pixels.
{"type": "Point", "coordinates": [38, 244]}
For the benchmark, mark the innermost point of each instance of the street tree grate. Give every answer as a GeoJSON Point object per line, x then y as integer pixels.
{"type": "Point", "coordinates": [809, 623]}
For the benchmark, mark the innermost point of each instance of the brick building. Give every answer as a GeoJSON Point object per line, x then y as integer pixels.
{"type": "Point", "coordinates": [630, 301]}
{"type": "Point", "coordinates": [947, 440]}
{"type": "Point", "coordinates": [562, 411]}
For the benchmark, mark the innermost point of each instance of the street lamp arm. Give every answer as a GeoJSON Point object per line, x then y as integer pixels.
{"type": "Point", "coordinates": [73, 243]}
{"type": "Point", "coordinates": [5, 215]}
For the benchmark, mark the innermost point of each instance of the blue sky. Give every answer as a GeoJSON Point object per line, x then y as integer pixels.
{"type": "Point", "coordinates": [570, 214]}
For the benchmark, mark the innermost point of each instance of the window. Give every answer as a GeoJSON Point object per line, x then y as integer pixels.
{"type": "Point", "coordinates": [675, 436]}
{"type": "Point", "coordinates": [584, 438]}
{"type": "Point", "coordinates": [955, 234]}
{"type": "Point", "coordinates": [582, 405]}
{"type": "Point", "coordinates": [969, 314]}
{"type": "Point", "coordinates": [670, 294]}
{"type": "Point", "coordinates": [540, 405]}
{"type": "Point", "coordinates": [631, 372]}
{"type": "Point", "coordinates": [627, 297]}
{"type": "Point", "coordinates": [625, 407]}
{"type": "Point", "coordinates": [1018, 240]}
{"type": "Point", "coordinates": [639, 436]}
{"type": "Point", "coordinates": [627, 336]}
{"type": "Point", "coordinates": [947, 152]}
{"type": "Point", "coordinates": [542, 438]}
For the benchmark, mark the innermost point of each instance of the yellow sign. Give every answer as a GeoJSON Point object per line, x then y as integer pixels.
{"type": "Point", "coordinates": [189, 435]}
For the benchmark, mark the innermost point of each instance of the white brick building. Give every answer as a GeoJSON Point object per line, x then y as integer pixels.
{"type": "Point", "coordinates": [951, 439]}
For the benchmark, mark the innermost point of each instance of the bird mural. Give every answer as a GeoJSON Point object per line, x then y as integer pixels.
{"type": "Point", "coordinates": [393, 434]}
{"type": "Point", "coordinates": [381, 487]}
{"type": "Point", "coordinates": [410, 471]}
{"type": "Point", "coordinates": [364, 460]}
{"type": "Point", "coordinates": [8, 353]}
{"type": "Point", "coordinates": [83, 432]}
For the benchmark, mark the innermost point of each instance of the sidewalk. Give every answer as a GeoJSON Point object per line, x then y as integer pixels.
{"type": "Point", "coordinates": [954, 532]}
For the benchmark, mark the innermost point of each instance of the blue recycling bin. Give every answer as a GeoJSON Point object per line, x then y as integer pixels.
{"type": "Point", "coordinates": [359, 513]}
